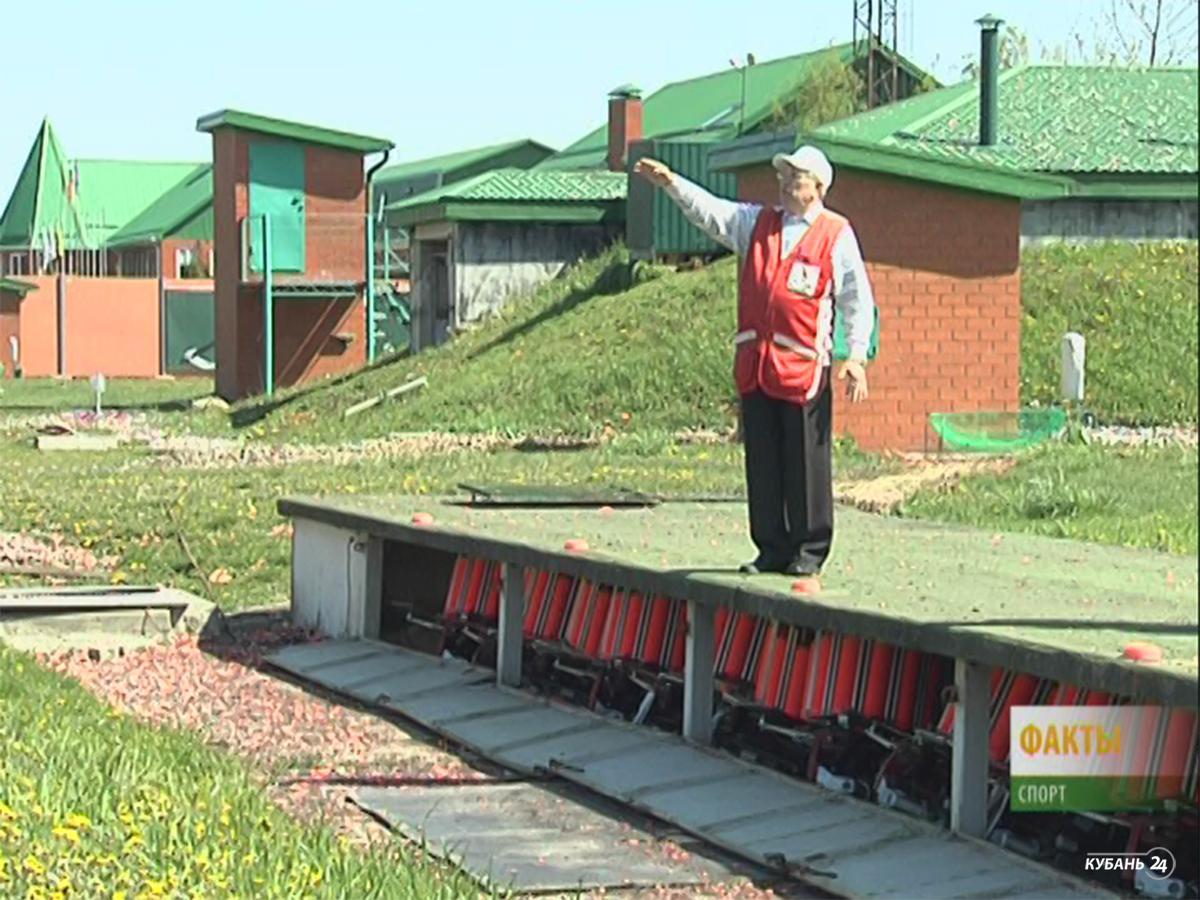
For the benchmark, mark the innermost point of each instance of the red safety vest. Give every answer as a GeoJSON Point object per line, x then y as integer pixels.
{"type": "Point", "coordinates": [785, 311]}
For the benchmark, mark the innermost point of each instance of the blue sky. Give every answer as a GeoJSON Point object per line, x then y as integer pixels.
{"type": "Point", "coordinates": [126, 79]}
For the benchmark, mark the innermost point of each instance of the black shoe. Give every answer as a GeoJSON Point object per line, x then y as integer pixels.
{"type": "Point", "coordinates": [761, 565]}
{"type": "Point", "coordinates": [802, 569]}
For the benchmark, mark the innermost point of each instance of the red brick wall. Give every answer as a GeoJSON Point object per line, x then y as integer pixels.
{"type": "Point", "coordinates": [336, 226]}
{"type": "Point", "coordinates": [308, 339]}
{"type": "Point", "coordinates": [39, 327]}
{"type": "Point", "coordinates": [307, 332]}
{"type": "Point", "coordinates": [944, 265]}
{"type": "Point", "coordinates": [624, 127]}
{"type": "Point", "coordinates": [112, 326]}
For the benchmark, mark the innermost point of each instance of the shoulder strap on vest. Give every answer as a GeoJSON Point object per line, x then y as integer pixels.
{"type": "Point", "coordinates": [828, 225]}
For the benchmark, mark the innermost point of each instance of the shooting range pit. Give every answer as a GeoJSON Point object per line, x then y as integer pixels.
{"type": "Point", "coordinates": [100, 621]}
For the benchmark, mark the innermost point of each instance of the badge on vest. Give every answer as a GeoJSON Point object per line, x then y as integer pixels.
{"type": "Point", "coordinates": [803, 279]}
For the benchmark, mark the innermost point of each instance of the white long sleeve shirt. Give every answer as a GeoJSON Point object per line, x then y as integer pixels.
{"type": "Point", "coordinates": [732, 224]}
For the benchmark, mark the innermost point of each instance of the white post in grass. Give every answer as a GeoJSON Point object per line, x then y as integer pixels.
{"type": "Point", "coordinates": [98, 385]}
{"type": "Point", "coordinates": [1074, 352]}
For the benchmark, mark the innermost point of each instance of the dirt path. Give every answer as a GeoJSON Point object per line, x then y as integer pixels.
{"type": "Point", "coordinates": [883, 494]}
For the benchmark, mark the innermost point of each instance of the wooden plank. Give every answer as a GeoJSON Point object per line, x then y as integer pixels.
{"type": "Point", "coordinates": [510, 639]}
{"type": "Point", "coordinates": [969, 755]}
{"type": "Point", "coordinates": [93, 442]}
{"type": "Point", "coordinates": [44, 604]}
{"type": "Point", "coordinates": [698, 674]}
{"type": "Point", "coordinates": [552, 495]}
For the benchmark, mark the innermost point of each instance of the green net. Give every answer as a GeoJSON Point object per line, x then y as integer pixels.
{"type": "Point", "coordinates": [998, 432]}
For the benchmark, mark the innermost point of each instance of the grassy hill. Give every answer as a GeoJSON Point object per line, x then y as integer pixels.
{"type": "Point", "coordinates": [586, 350]}
{"type": "Point", "coordinates": [599, 347]}
{"type": "Point", "coordinates": [1136, 306]}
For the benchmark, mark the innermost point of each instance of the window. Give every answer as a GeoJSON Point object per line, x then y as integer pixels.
{"type": "Point", "coordinates": [184, 258]}
{"type": "Point", "coordinates": [18, 264]}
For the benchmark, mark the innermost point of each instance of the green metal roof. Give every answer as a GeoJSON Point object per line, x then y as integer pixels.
{"type": "Point", "coordinates": [296, 131]}
{"type": "Point", "coordinates": [449, 163]}
{"type": "Point", "coordinates": [38, 201]}
{"type": "Point", "coordinates": [20, 288]}
{"type": "Point", "coordinates": [516, 194]}
{"type": "Point", "coordinates": [1063, 131]}
{"type": "Point", "coordinates": [112, 192]}
{"type": "Point", "coordinates": [185, 210]}
{"type": "Point", "coordinates": [107, 195]}
{"type": "Point", "coordinates": [711, 106]}
{"type": "Point", "coordinates": [1061, 119]}
{"type": "Point", "coordinates": [759, 148]}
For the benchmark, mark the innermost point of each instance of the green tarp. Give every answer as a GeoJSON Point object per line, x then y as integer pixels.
{"type": "Point", "coordinates": [190, 332]}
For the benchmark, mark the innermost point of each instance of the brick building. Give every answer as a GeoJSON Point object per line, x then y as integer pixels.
{"type": "Point", "coordinates": [94, 302]}
{"type": "Point", "coordinates": [943, 197]}
{"type": "Point", "coordinates": [311, 185]}
{"type": "Point", "coordinates": [944, 263]}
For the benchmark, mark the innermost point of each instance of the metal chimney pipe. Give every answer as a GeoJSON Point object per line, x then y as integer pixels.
{"type": "Point", "coordinates": [989, 75]}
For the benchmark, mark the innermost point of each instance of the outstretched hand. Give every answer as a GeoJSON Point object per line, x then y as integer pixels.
{"type": "Point", "coordinates": [855, 374]}
{"type": "Point", "coordinates": [658, 174]}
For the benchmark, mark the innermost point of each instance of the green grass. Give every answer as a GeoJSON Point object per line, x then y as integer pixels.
{"type": "Point", "coordinates": [228, 521]}
{"type": "Point", "coordinates": [95, 804]}
{"type": "Point", "coordinates": [605, 346]}
{"type": "Point", "coordinates": [54, 394]}
{"type": "Point", "coordinates": [1132, 497]}
{"type": "Point", "coordinates": [584, 352]}
{"type": "Point", "coordinates": [1136, 306]}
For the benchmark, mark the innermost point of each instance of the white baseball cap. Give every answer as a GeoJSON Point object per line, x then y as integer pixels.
{"type": "Point", "coordinates": [808, 158]}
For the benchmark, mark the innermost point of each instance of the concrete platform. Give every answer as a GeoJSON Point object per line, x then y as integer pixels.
{"type": "Point", "coordinates": [1053, 608]}
{"type": "Point", "coordinates": [107, 621]}
{"type": "Point", "coordinates": [846, 846]}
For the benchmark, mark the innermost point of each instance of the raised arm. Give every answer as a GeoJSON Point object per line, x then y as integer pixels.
{"type": "Point", "coordinates": [725, 221]}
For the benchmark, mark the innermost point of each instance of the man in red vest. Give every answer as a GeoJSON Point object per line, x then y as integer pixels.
{"type": "Point", "coordinates": [801, 265]}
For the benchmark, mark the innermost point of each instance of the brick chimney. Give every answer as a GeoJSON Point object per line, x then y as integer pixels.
{"type": "Point", "coordinates": [624, 124]}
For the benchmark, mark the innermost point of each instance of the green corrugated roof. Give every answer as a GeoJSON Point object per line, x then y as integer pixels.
{"type": "Point", "coordinates": [109, 194]}
{"type": "Point", "coordinates": [519, 195]}
{"type": "Point", "coordinates": [185, 207]}
{"type": "Point", "coordinates": [1063, 131]}
{"type": "Point", "coordinates": [450, 162]}
{"type": "Point", "coordinates": [1056, 119]}
{"type": "Point", "coordinates": [710, 106]}
{"type": "Point", "coordinates": [527, 186]}
{"type": "Point", "coordinates": [297, 131]}
{"type": "Point", "coordinates": [113, 192]}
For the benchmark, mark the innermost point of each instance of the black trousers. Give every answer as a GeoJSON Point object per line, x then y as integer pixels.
{"type": "Point", "coordinates": [789, 474]}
